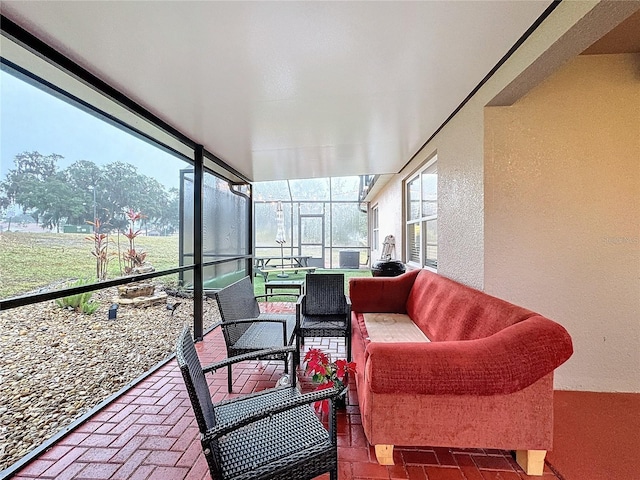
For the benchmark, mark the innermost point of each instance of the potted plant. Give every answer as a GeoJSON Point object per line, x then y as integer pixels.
{"type": "Point", "coordinates": [327, 374]}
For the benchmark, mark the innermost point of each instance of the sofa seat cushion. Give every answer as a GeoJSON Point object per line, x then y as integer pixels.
{"type": "Point", "coordinates": [392, 327]}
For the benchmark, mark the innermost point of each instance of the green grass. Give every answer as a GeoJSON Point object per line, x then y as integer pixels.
{"type": "Point", "coordinates": [258, 282]}
{"type": "Point", "coordinates": [32, 260]}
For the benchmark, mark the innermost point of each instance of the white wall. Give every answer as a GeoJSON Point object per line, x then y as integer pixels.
{"type": "Point", "coordinates": [562, 214]}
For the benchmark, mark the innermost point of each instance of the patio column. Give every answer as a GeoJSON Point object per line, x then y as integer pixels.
{"type": "Point", "coordinates": [198, 287]}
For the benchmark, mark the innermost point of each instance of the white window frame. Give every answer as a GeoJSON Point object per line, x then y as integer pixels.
{"type": "Point", "coordinates": [423, 223]}
{"type": "Point", "coordinates": [375, 228]}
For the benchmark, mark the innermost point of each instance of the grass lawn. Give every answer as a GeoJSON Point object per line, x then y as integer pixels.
{"type": "Point", "coordinates": [32, 260]}
{"type": "Point", "coordinates": [29, 261]}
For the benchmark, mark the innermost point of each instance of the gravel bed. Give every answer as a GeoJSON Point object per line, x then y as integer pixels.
{"type": "Point", "coordinates": [56, 364]}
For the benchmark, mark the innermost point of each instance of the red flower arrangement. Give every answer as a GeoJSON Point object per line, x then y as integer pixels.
{"type": "Point", "coordinates": [327, 374]}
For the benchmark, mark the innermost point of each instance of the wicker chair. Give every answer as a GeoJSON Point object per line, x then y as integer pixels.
{"type": "Point", "coordinates": [270, 435]}
{"type": "Point", "coordinates": [247, 330]}
{"type": "Point", "coordinates": [324, 310]}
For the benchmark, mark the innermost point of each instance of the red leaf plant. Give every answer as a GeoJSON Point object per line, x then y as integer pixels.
{"type": "Point", "coordinates": [327, 374]}
{"type": "Point", "coordinates": [100, 249]}
{"type": "Point", "coordinates": [132, 257]}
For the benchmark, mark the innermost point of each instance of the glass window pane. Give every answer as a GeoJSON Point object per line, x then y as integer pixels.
{"type": "Point", "coordinates": [349, 225]}
{"type": "Point", "coordinates": [311, 229]}
{"type": "Point", "coordinates": [224, 219]}
{"type": "Point", "coordinates": [429, 194]}
{"type": "Point", "coordinates": [414, 242]}
{"type": "Point", "coordinates": [310, 189]}
{"type": "Point", "coordinates": [432, 231]}
{"type": "Point", "coordinates": [186, 189]}
{"type": "Point", "coordinates": [432, 256]}
{"type": "Point", "coordinates": [345, 188]}
{"type": "Point", "coordinates": [431, 253]}
{"type": "Point", "coordinates": [413, 199]}
{"type": "Point", "coordinates": [271, 191]}
{"type": "Point", "coordinates": [315, 208]}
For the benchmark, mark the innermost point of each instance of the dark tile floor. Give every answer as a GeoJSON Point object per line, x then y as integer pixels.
{"type": "Point", "coordinates": [150, 433]}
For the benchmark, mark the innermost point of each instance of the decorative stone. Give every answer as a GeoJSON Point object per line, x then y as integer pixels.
{"type": "Point", "coordinates": [136, 290]}
{"type": "Point", "coordinates": [147, 301]}
{"type": "Point", "coordinates": [142, 269]}
{"type": "Point", "coordinates": [88, 365]}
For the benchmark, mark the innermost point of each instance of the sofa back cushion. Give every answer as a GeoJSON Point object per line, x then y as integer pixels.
{"type": "Point", "coordinates": [446, 310]}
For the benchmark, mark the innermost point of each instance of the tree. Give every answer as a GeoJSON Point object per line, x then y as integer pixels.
{"type": "Point", "coordinates": [154, 201]}
{"type": "Point", "coordinates": [84, 192]}
{"type": "Point", "coordinates": [84, 176]}
{"type": "Point", "coordinates": [30, 167]}
{"type": "Point", "coordinates": [118, 191]}
{"type": "Point", "coordinates": [51, 201]}
{"type": "Point", "coordinates": [171, 219]}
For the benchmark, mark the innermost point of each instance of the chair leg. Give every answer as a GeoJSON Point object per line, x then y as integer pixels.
{"type": "Point", "coordinates": [296, 356]}
{"type": "Point", "coordinates": [229, 379]}
{"type": "Point", "coordinates": [348, 342]}
{"type": "Point", "coordinates": [333, 475]}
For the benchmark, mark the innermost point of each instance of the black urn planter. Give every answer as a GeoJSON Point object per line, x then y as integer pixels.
{"type": "Point", "coordinates": [387, 268]}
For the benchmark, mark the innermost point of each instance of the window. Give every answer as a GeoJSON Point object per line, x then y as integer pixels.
{"type": "Point", "coordinates": [421, 190]}
{"type": "Point", "coordinates": [375, 233]}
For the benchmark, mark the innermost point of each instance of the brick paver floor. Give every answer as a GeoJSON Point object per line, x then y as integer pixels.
{"type": "Point", "coordinates": [150, 433]}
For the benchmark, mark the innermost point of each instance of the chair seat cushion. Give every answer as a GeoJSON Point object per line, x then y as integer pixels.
{"type": "Point", "coordinates": [272, 445]}
{"type": "Point", "coordinates": [392, 327]}
{"type": "Point", "coordinates": [326, 323]}
{"type": "Point", "coordinates": [240, 407]}
{"type": "Point", "coordinates": [263, 335]}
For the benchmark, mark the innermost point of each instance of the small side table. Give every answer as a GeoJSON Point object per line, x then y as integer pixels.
{"type": "Point", "coordinates": [272, 285]}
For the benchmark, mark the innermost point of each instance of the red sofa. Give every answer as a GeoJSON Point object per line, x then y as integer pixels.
{"type": "Point", "coordinates": [484, 380]}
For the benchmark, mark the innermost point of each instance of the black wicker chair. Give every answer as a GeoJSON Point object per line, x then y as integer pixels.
{"type": "Point", "coordinates": [324, 310]}
{"type": "Point", "coordinates": [245, 329]}
{"type": "Point", "coordinates": [270, 435]}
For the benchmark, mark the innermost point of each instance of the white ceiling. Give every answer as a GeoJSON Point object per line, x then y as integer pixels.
{"type": "Point", "coordinates": [289, 89]}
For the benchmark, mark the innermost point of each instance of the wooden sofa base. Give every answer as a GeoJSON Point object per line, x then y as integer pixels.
{"type": "Point", "coordinates": [531, 461]}
{"type": "Point", "coordinates": [384, 454]}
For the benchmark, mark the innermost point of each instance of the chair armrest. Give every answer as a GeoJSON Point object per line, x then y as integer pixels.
{"type": "Point", "coordinates": [307, 398]}
{"type": "Point", "coordinates": [381, 294]}
{"type": "Point", "coordinates": [250, 320]}
{"type": "Point", "coordinates": [247, 356]}
{"type": "Point", "coordinates": [503, 363]}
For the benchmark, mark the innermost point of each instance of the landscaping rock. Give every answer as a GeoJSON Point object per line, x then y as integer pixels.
{"type": "Point", "coordinates": [57, 364]}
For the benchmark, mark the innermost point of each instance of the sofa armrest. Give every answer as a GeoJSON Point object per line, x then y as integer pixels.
{"type": "Point", "coordinates": [381, 294]}
{"type": "Point", "coordinates": [503, 363]}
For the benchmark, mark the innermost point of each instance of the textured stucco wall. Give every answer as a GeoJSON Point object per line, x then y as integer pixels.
{"type": "Point", "coordinates": [390, 218]}
{"type": "Point", "coordinates": [460, 147]}
{"type": "Point", "coordinates": [562, 214]}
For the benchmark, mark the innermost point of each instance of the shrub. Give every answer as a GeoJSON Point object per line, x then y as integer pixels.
{"type": "Point", "coordinates": [133, 258]}
{"type": "Point", "coordinates": [80, 302]}
{"type": "Point", "coordinates": [100, 249]}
